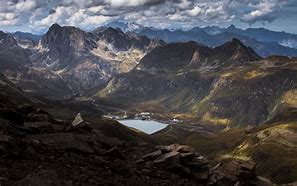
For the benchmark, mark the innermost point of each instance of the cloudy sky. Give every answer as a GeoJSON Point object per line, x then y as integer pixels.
{"type": "Point", "coordinates": [37, 15]}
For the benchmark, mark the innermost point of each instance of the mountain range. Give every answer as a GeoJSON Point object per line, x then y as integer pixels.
{"type": "Point", "coordinates": [237, 103]}
{"type": "Point", "coordinates": [129, 68]}
{"type": "Point", "coordinates": [265, 42]}
{"type": "Point", "coordinates": [72, 59]}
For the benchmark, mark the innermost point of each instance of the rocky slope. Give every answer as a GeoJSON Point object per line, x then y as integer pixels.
{"type": "Point", "coordinates": [37, 149]}
{"type": "Point", "coordinates": [272, 144]}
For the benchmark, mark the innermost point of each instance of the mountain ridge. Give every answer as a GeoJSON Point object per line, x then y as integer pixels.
{"type": "Point", "coordinates": [266, 42]}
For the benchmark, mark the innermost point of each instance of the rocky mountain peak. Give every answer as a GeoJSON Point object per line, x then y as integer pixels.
{"type": "Point", "coordinates": [234, 44]}
{"type": "Point", "coordinates": [55, 26]}
{"type": "Point", "coordinates": [235, 50]}
{"type": "Point", "coordinates": [65, 40]}
{"type": "Point", "coordinates": [111, 30]}
{"type": "Point", "coordinates": [63, 35]}
{"type": "Point", "coordinates": [122, 41]}
{"type": "Point", "coordinates": [231, 26]}
{"type": "Point", "coordinates": [172, 56]}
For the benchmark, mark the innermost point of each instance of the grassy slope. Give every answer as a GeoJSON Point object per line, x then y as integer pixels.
{"type": "Point", "coordinates": [273, 147]}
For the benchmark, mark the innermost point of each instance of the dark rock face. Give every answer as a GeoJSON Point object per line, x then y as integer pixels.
{"type": "Point", "coordinates": [66, 44]}
{"type": "Point", "coordinates": [236, 51]}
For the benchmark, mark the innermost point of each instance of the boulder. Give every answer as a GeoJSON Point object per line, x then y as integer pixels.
{"type": "Point", "coordinates": [171, 158]}
{"type": "Point", "coordinates": [182, 148]}
{"type": "Point", "coordinates": [196, 163]}
{"type": "Point", "coordinates": [187, 157]}
{"type": "Point", "coordinates": [163, 148]}
{"type": "Point", "coordinates": [77, 120]}
{"type": "Point", "coordinates": [175, 147]}
{"type": "Point", "coordinates": [152, 155]}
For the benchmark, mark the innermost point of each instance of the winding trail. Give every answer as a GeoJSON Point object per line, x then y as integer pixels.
{"type": "Point", "coordinates": [107, 107]}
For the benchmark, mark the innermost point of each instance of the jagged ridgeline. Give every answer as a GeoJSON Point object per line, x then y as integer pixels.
{"type": "Point", "coordinates": [235, 106]}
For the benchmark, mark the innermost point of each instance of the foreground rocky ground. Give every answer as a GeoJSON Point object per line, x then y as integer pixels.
{"type": "Point", "coordinates": [38, 150]}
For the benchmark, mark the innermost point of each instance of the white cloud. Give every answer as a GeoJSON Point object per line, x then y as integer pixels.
{"type": "Point", "coordinates": [175, 17]}
{"type": "Point", "coordinates": [8, 19]}
{"type": "Point", "coordinates": [25, 5]}
{"type": "Point", "coordinates": [118, 3]}
{"type": "Point", "coordinates": [262, 12]}
{"type": "Point", "coordinates": [77, 17]}
{"type": "Point", "coordinates": [96, 9]}
{"type": "Point", "coordinates": [40, 14]}
{"type": "Point", "coordinates": [184, 4]}
{"type": "Point", "coordinates": [57, 17]}
{"type": "Point", "coordinates": [195, 11]}
{"type": "Point", "coordinates": [95, 21]}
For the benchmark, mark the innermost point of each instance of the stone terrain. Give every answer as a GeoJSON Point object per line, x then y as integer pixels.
{"type": "Point", "coordinates": [37, 149]}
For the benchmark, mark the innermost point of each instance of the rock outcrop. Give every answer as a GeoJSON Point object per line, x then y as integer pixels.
{"type": "Point", "coordinates": [184, 161]}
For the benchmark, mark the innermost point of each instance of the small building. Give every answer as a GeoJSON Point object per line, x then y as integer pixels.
{"type": "Point", "coordinates": [143, 116]}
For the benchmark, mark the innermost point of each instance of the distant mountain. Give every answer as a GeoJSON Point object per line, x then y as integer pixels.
{"type": "Point", "coordinates": [265, 35]}
{"type": "Point", "coordinates": [215, 36]}
{"type": "Point", "coordinates": [211, 30]}
{"type": "Point", "coordinates": [259, 34]}
{"type": "Point", "coordinates": [27, 36]}
{"type": "Point", "coordinates": [125, 41]}
{"type": "Point", "coordinates": [26, 40]}
{"type": "Point", "coordinates": [177, 35]}
{"type": "Point", "coordinates": [125, 26]}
